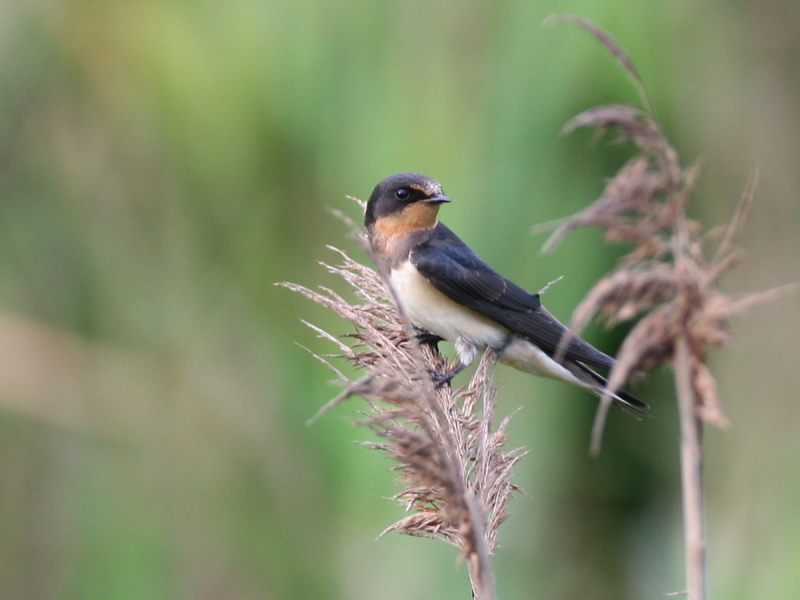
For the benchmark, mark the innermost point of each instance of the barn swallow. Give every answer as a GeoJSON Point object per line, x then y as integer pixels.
{"type": "Point", "coordinates": [444, 288]}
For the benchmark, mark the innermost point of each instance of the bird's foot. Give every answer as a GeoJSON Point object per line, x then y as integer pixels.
{"type": "Point", "coordinates": [427, 338]}
{"type": "Point", "coordinates": [440, 378]}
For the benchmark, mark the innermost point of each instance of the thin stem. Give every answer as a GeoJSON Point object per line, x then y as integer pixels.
{"type": "Point", "coordinates": [481, 572]}
{"type": "Point", "coordinates": [480, 567]}
{"type": "Point", "coordinates": [691, 474]}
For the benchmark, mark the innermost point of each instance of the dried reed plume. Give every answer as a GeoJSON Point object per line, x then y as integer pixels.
{"type": "Point", "coordinates": [668, 278]}
{"type": "Point", "coordinates": [451, 459]}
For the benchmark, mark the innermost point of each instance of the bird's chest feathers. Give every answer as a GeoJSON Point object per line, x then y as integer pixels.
{"type": "Point", "coordinates": [394, 235]}
{"type": "Point", "coordinates": [430, 309]}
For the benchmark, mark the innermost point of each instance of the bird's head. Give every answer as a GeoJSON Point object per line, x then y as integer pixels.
{"type": "Point", "coordinates": [403, 203]}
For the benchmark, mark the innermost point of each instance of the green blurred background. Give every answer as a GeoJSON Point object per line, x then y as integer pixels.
{"type": "Point", "coordinates": [164, 163]}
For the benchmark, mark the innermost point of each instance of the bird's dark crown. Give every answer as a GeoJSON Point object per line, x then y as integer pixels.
{"type": "Point", "coordinates": [398, 191]}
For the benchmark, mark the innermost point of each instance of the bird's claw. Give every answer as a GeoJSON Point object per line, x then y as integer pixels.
{"type": "Point", "coordinates": [428, 339]}
{"type": "Point", "coordinates": [439, 378]}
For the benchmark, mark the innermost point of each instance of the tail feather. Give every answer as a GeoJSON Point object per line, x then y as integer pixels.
{"type": "Point", "coordinates": [598, 382]}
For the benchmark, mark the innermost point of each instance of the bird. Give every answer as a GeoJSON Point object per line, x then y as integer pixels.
{"type": "Point", "coordinates": [447, 292]}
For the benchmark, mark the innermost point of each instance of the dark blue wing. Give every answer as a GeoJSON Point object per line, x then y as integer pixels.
{"type": "Point", "coordinates": [456, 271]}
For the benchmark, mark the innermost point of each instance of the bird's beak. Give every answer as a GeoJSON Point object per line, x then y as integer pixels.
{"type": "Point", "coordinates": [438, 199]}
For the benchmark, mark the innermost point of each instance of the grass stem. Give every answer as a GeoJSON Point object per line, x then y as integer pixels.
{"type": "Point", "coordinates": [691, 474]}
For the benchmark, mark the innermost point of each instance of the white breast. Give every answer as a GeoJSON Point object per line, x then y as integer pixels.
{"type": "Point", "coordinates": [428, 308]}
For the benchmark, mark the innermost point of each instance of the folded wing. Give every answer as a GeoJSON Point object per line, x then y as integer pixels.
{"type": "Point", "coordinates": [456, 271]}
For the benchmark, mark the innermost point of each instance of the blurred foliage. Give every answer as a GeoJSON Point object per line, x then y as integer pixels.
{"type": "Point", "coordinates": [162, 164]}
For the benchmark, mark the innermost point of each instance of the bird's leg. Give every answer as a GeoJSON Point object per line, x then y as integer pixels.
{"type": "Point", "coordinates": [440, 379]}
{"type": "Point", "coordinates": [426, 338]}
{"type": "Point", "coordinates": [467, 351]}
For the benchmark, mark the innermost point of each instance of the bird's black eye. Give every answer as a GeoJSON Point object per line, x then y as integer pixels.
{"type": "Point", "coordinates": [402, 194]}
